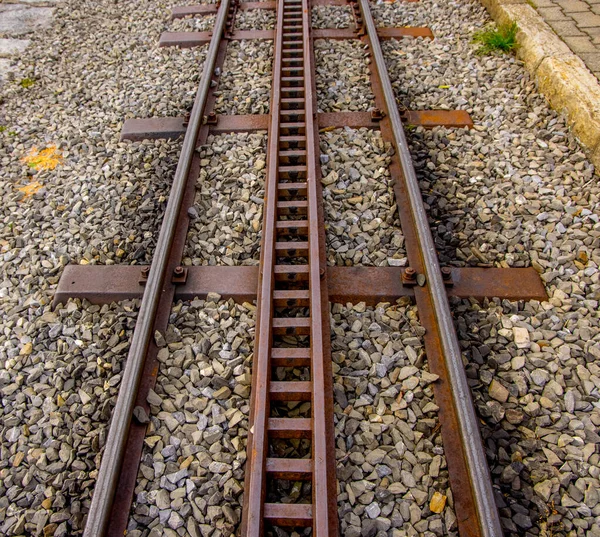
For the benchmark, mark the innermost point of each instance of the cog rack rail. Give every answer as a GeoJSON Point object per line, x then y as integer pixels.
{"type": "Point", "coordinates": [293, 285]}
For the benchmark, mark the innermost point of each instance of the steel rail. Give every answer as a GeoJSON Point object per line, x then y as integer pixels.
{"type": "Point", "coordinates": [322, 524]}
{"type": "Point", "coordinates": [254, 495]}
{"type": "Point", "coordinates": [293, 238]}
{"type": "Point", "coordinates": [99, 514]}
{"type": "Point", "coordinates": [475, 461]}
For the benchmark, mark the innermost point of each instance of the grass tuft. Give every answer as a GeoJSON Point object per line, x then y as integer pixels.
{"type": "Point", "coordinates": [503, 38]}
{"type": "Point", "coordinates": [27, 82]}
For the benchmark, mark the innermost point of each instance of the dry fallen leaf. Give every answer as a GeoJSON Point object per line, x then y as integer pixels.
{"type": "Point", "coordinates": [438, 502]}
{"type": "Point", "coordinates": [30, 189]}
{"type": "Point", "coordinates": [46, 159]}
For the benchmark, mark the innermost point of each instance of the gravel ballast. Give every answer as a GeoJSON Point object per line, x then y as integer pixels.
{"type": "Point", "coordinates": [103, 203]}
{"type": "Point", "coordinates": [515, 191]}
{"type": "Point", "coordinates": [60, 376]}
{"type": "Point", "coordinates": [331, 17]}
{"type": "Point", "coordinates": [245, 85]}
{"type": "Point", "coordinates": [255, 19]}
{"type": "Point", "coordinates": [191, 476]}
{"type": "Point", "coordinates": [390, 455]}
{"type": "Point", "coordinates": [342, 76]}
{"type": "Point", "coordinates": [360, 210]}
{"type": "Point", "coordinates": [60, 370]}
{"type": "Point", "coordinates": [193, 24]}
{"type": "Point", "coordinates": [226, 218]}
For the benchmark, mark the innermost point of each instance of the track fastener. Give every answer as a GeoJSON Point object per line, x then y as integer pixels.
{"type": "Point", "coordinates": [144, 273]}
{"type": "Point", "coordinates": [409, 276]}
{"type": "Point", "coordinates": [377, 114]}
{"type": "Point", "coordinates": [179, 275]}
{"type": "Point", "coordinates": [447, 276]}
{"type": "Point", "coordinates": [211, 118]}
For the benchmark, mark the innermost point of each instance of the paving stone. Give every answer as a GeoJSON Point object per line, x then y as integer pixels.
{"type": "Point", "coordinates": [552, 13]}
{"type": "Point", "coordinates": [581, 44]}
{"type": "Point", "coordinates": [586, 20]}
{"type": "Point", "coordinates": [16, 19]}
{"type": "Point", "coordinates": [565, 27]}
{"type": "Point", "coordinates": [573, 6]}
{"type": "Point", "coordinates": [12, 47]}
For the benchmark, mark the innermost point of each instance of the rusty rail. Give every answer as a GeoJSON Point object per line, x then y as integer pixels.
{"type": "Point", "coordinates": [293, 294]}
{"type": "Point", "coordinates": [292, 279]}
{"type": "Point", "coordinates": [475, 507]}
{"type": "Point", "coordinates": [99, 516]}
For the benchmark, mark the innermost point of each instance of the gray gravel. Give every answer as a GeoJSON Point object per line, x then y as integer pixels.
{"type": "Point", "coordinates": [193, 24]}
{"type": "Point", "coordinates": [59, 377]}
{"type": "Point", "coordinates": [516, 191]}
{"type": "Point", "coordinates": [60, 371]}
{"type": "Point", "coordinates": [95, 207]}
{"type": "Point", "coordinates": [389, 451]}
{"type": "Point", "coordinates": [226, 218]}
{"type": "Point", "coordinates": [255, 19]}
{"type": "Point", "coordinates": [245, 86]}
{"type": "Point", "coordinates": [342, 86]}
{"type": "Point", "coordinates": [407, 14]}
{"type": "Point", "coordinates": [362, 218]}
{"type": "Point", "coordinates": [191, 476]}
{"type": "Point", "coordinates": [331, 17]}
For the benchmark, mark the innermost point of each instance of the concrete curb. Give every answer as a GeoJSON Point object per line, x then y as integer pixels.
{"type": "Point", "coordinates": [561, 75]}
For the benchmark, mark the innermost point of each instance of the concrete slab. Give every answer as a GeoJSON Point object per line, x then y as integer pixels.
{"type": "Point", "coordinates": [17, 19]}
{"type": "Point", "coordinates": [13, 47]}
{"type": "Point", "coordinates": [5, 70]}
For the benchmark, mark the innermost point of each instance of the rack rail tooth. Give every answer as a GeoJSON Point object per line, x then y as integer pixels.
{"type": "Point", "coordinates": [290, 302]}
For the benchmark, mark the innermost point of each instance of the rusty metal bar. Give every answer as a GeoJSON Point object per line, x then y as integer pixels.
{"type": "Point", "coordinates": [257, 445]}
{"type": "Point", "coordinates": [173, 127]}
{"type": "Point", "coordinates": [325, 517]}
{"type": "Point", "coordinates": [179, 12]}
{"type": "Point", "coordinates": [194, 39]}
{"type": "Point", "coordinates": [438, 118]}
{"type": "Point", "coordinates": [102, 500]}
{"type": "Point", "coordinates": [384, 284]}
{"type": "Point", "coordinates": [469, 474]}
{"type": "Point", "coordinates": [103, 284]}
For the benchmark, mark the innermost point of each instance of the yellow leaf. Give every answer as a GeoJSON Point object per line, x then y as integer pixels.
{"type": "Point", "coordinates": [30, 189]}
{"type": "Point", "coordinates": [444, 87]}
{"type": "Point", "coordinates": [46, 159]}
{"type": "Point", "coordinates": [437, 503]}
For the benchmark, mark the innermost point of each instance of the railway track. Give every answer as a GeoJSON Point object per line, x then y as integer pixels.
{"type": "Point", "coordinates": [293, 287]}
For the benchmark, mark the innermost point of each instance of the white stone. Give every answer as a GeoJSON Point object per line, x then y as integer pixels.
{"type": "Point", "coordinates": [521, 337]}
{"type": "Point", "coordinates": [12, 47]}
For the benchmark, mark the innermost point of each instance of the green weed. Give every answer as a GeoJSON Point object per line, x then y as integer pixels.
{"type": "Point", "coordinates": [503, 38]}
{"type": "Point", "coordinates": [27, 82]}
